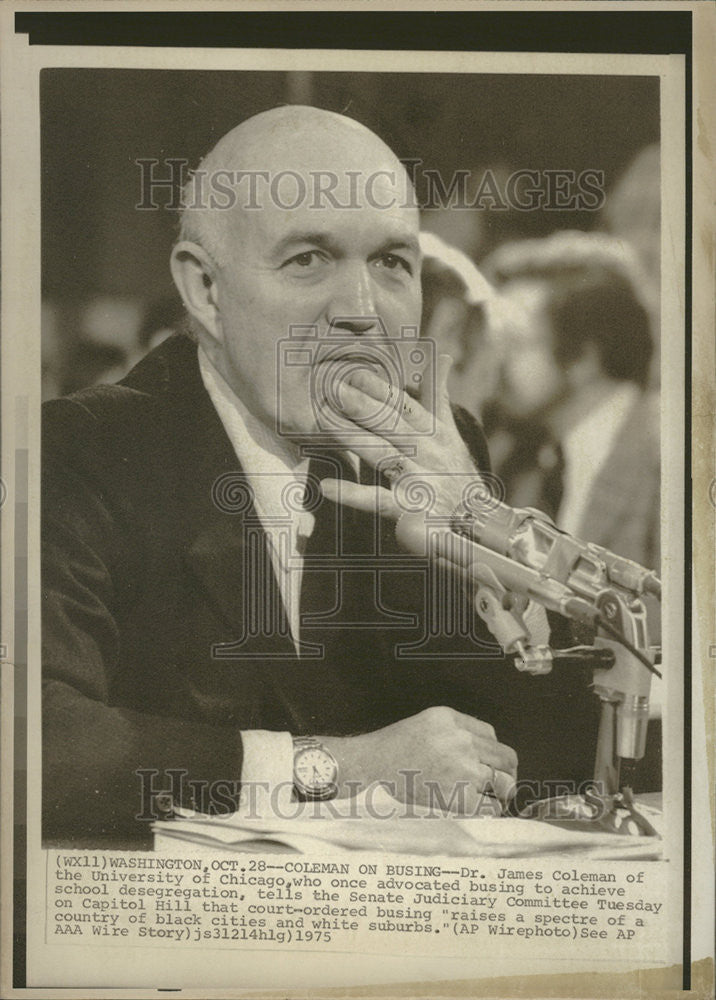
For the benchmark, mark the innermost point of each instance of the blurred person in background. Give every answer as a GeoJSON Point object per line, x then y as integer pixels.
{"type": "Point", "coordinates": [108, 344]}
{"type": "Point", "coordinates": [475, 211]}
{"type": "Point", "coordinates": [162, 318]}
{"type": "Point", "coordinates": [555, 360]}
{"type": "Point", "coordinates": [574, 428]}
{"type": "Point", "coordinates": [455, 294]}
{"type": "Point", "coordinates": [73, 357]}
{"type": "Point", "coordinates": [632, 212]}
{"type": "Point", "coordinates": [573, 393]}
{"type": "Point", "coordinates": [99, 340]}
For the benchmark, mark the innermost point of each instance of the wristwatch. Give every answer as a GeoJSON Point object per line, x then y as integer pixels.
{"type": "Point", "coordinates": [315, 770]}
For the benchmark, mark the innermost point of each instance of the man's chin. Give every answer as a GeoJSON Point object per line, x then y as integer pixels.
{"type": "Point", "coordinates": [322, 438]}
{"type": "Point", "coordinates": [327, 437]}
{"type": "Point", "coordinates": [306, 430]}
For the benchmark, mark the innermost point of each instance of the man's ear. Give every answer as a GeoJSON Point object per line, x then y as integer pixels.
{"type": "Point", "coordinates": [194, 275]}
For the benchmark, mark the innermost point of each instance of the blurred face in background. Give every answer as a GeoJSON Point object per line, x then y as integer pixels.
{"type": "Point", "coordinates": [530, 381]}
{"type": "Point", "coordinates": [458, 329]}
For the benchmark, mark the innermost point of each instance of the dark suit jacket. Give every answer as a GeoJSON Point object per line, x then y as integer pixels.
{"type": "Point", "coordinates": [152, 660]}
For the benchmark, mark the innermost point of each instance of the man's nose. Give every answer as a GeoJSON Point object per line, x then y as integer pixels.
{"type": "Point", "coordinates": [353, 306]}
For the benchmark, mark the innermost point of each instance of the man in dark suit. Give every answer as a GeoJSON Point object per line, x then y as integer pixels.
{"type": "Point", "coordinates": [577, 355]}
{"type": "Point", "coordinates": [576, 420]}
{"type": "Point", "coordinates": [202, 628]}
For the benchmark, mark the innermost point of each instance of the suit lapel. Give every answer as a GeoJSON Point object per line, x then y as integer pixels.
{"type": "Point", "coordinates": [226, 547]}
{"type": "Point", "coordinates": [230, 555]}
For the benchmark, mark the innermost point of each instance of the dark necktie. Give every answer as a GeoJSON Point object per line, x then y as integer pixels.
{"type": "Point", "coordinates": [533, 471]}
{"type": "Point", "coordinates": [550, 459]}
{"type": "Point", "coordinates": [347, 648]}
{"type": "Point", "coordinates": [341, 537]}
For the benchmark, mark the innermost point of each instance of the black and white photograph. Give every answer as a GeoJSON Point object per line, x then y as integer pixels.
{"type": "Point", "coordinates": [354, 434]}
{"type": "Point", "coordinates": [246, 473]}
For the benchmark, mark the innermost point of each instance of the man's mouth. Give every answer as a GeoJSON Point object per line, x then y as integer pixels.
{"type": "Point", "coordinates": [360, 360]}
{"type": "Point", "coordinates": [337, 369]}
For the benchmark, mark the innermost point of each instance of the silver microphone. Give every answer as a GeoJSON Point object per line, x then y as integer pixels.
{"type": "Point", "coordinates": [491, 545]}
{"type": "Point", "coordinates": [528, 538]}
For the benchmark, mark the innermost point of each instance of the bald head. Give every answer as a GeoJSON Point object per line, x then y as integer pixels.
{"type": "Point", "coordinates": [295, 136]}
{"type": "Point", "coordinates": [299, 226]}
{"type": "Point", "coordinates": [288, 158]}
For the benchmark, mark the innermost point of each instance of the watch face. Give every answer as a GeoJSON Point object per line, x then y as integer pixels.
{"type": "Point", "coordinates": [315, 771]}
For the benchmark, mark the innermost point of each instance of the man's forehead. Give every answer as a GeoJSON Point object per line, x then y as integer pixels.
{"type": "Point", "coordinates": [385, 185]}
{"type": "Point", "coordinates": [325, 208]}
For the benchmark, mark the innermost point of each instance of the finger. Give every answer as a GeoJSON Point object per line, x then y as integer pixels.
{"type": "Point", "coordinates": [374, 450]}
{"type": "Point", "coordinates": [373, 499]}
{"type": "Point", "coordinates": [444, 366]}
{"type": "Point", "coordinates": [369, 444]}
{"type": "Point", "coordinates": [394, 415]}
{"type": "Point", "coordinates": [476, 726]}
{"type": "Point", "coordinates": [346, 433]}
{"type": "Point", "coordinates": [493, 781]}
{"type": "Point", "coordinates": [489, 805]}
{"type": "Point", "coordinates": [464, 798]}
{"type": "Point", "coordinates": [496, 754]}
{"type": "Point", "coordinates": [378, 389]}
{"type": "Point", "coordinates": [373, 385]}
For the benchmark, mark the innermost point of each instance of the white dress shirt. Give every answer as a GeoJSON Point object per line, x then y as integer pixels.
{"type": "Point", "coordinates": [586, 447]}
{"type": "Point", "coordinates": [270, 464]}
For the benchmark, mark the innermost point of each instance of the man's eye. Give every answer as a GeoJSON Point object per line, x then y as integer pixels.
{"type": "Point", "coordinates": [392, 262]}
{"type": "Point", "coordinates": [309, 258]}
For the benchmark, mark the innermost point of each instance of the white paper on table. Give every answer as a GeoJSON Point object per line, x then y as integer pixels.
{"type": "Point", "coordinates": [350, 825]}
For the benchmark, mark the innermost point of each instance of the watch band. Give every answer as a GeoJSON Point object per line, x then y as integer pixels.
{"type": "Point", "coordinates": [300, 742]}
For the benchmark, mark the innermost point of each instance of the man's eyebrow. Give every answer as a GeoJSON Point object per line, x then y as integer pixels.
{"type": "Point", "coordinates": [402, 243]}
{"type": "Point", "coordinates": [325, 240]}
{"type": "Point", "coordinates": [301, 236]}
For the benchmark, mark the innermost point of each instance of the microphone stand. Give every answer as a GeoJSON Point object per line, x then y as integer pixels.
{"type": "Point", "coordinates": [577, 581]}
{"type": "Point", "coordinates": [622, 684]}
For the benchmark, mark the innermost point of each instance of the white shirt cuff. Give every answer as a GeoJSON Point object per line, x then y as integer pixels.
{"type": "Point", "coordinates": [266, 772]}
